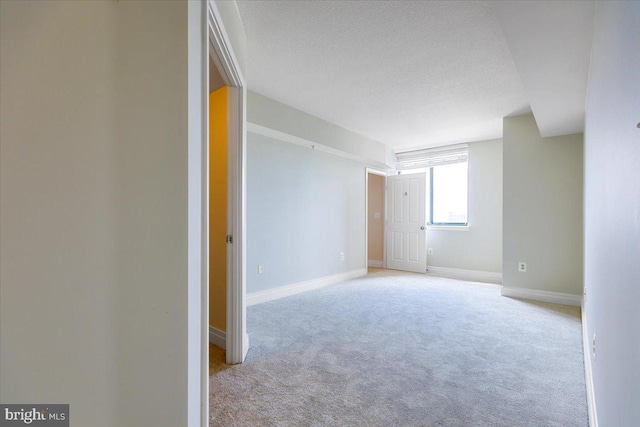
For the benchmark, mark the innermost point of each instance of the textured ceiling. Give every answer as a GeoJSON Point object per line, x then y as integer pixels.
{"type": "Point", "coordinates": [408, 74]}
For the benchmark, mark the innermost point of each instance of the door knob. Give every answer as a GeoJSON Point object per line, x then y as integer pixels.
{"type": "Point", "coordinates": [422, 227]}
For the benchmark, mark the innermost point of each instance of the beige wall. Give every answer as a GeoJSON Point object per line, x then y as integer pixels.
{"type": "Point", "coordinates": [479, 248]}
{"type": "Point", "coordinates": [93, 209]}
{"type": "Point", "coordinates": [58, 192]}
{"type": "Point", "coordinates": [542, 208]}
{"type": "Point", "coordinates": [375, 217]}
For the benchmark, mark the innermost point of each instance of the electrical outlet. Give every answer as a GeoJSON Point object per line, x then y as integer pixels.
{"type": "Point", "coordinates": [430, 251]}
{"type": "Point", "coordinates": [593, 346]}
{"type": "Point", "coordinates": [522, 267]}
{"type": "Point", "coordinates": [260, 269]}
{"type": "Point", "coordinates": [341, 256]}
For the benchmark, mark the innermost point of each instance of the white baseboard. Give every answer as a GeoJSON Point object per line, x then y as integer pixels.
{"type": "Point", "coordinates": [588, 372]}
{"type": "Point", "coordinates": [470, 275]}
{"type": "Point", "coordinates": [374, 263]}
{"type": "Point", "coordinates": [217, 337]}
{"type": "Point", "coordinates": [544, 296]}
{"type": "Point", "coordinates": [300, 287]}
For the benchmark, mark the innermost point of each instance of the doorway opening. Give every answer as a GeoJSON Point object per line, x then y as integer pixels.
{"type": "Point", "coordinates": [218, 218]}
{"type": "Point", "coordinates": [375, 218]}
{"type": "Point", "coordinates": [225, 194]}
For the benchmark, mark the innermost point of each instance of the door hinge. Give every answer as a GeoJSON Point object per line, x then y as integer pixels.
{"type": "Point", "coordinates": [229, 238]}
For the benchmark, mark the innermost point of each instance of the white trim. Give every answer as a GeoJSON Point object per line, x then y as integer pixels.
{"type": "Point", "coordinates": [469, 275]}
{"type": "Point", "coordinates": [588, 371]}
{"type": "Point", "coordinates": [544, 296]}
{"type": "Point", "coordinates": [300, 287]}
{"type": "Point", "coordinates": [375, 264]}
{"type": "Point", "coordinates": [245, 342]}
{"type": "Point", "coordinates": [236, 251]}
{"type": "Point", "coordinates": [223, 55]}
{"type": "Point", "coordinates": [447, 228]}
{"type": "Point", "coordinates": [378, 172]}
{"type": "Point", "coordinates": [197, 392]}
{"type": "Point", "coordinates": [217, 337]}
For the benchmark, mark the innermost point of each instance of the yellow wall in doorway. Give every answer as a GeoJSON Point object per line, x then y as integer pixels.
{"type": "Point", "coordinates": [218, 209]}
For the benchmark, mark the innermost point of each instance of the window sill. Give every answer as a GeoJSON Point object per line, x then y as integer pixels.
{"type": "Point", "coordinates": [448, 227]}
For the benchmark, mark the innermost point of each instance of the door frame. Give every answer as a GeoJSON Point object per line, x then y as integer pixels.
{"type": "Point", "coordinates": [227, 64]}
{"type": "Point", "coordinates": [207, 37]}
{"type": "Point", "coordinates": [366, 215]}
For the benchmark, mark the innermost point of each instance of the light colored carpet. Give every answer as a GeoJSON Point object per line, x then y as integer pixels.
{"type": "Point", "coordinates": [403, 349]}
{"type": "Point", "coordinates": [217, 359]}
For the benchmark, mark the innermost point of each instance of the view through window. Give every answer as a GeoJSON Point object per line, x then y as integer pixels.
{"type": "Point", "coordinates": [449, 194]}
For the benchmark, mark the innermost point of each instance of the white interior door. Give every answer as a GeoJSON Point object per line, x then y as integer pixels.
{"type": "Point", "coordinates": [406, 228]}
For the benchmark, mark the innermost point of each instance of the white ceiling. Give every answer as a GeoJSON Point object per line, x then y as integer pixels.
{"type": "Point", "coordinates": [414, 74]}
{"type": "Point", "coordinates": [550, 42]}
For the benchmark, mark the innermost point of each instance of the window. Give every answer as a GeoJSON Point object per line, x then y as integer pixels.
{"type": "Point", "coordinates": [449, 186]}
{"type": "Point", "coordinates": [447, 167]}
